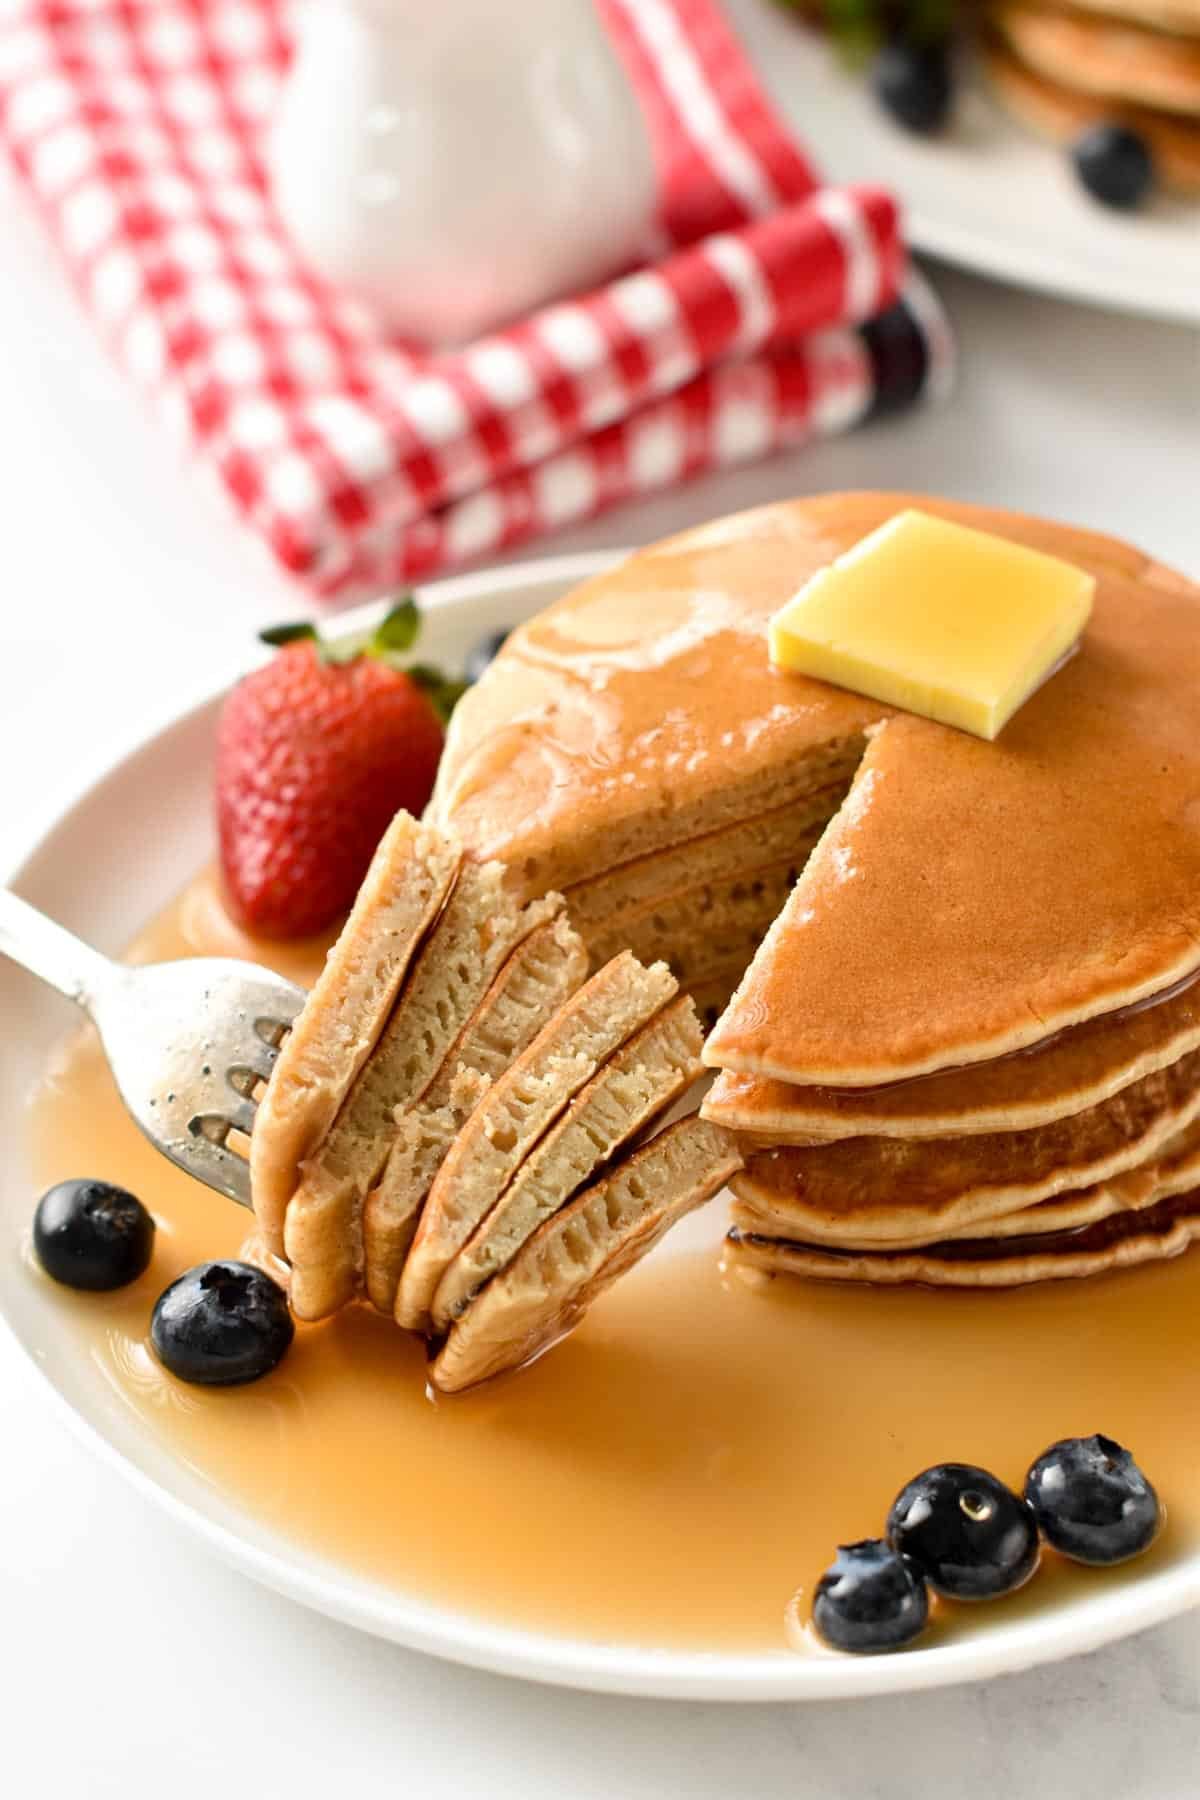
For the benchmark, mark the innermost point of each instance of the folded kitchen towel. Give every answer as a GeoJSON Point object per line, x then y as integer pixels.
{"type": "Point", "coordinates": [770, 307]}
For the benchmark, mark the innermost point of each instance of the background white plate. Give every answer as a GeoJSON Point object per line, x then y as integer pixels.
{"type": "Point", "coordinates": [987, 195]}
{"type": "Point", "coordinates": [117, 853]}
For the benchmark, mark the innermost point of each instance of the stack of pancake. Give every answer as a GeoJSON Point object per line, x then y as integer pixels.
{"type": "Point", "coordinates": [457, 1128]}
{"type": "Point", "coordinates": [968, 1049]}
{"type": "Point", "coordinates": [1061, 68]}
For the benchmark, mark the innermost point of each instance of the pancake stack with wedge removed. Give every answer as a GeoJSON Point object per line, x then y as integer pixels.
{"type": "Point", "coordinates": [1062, 68]}
{"type": "Point", "coordinates": [968, 1049]}
{"type": "Point", "coordinates": [458, 1128]}
{"type": "Point", "coordinates": [609, 753]}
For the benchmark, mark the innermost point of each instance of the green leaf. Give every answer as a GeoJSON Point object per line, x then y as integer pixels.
{"type": "Point", "coordinates": [336, 652]}
{"type": "Point", "coordinates": [277, 635]}
{"type": "Point", "coordinates": [398, 629]}
{"type": "Point", "coordinates": [442, 691]}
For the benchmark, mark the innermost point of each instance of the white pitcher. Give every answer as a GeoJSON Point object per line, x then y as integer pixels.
{"type": "Point", "coordinates": [455, 162]}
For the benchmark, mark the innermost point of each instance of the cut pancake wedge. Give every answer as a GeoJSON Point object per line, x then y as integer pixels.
{"type": "Point", "coordinates": [477, 930]}
{"type": "Point", "coordinates": [404, 890]}
{"type": "Point", "coordinates": [638, 1082]}
{"type": "Point", "coordinates": [519, 1107]}
{"type": "Point", "coordinates": [582, 1249]}
{"type": "Point", "coordinates": [542, 973]}
{"type": "Point", "coordinates": [424, 1134]}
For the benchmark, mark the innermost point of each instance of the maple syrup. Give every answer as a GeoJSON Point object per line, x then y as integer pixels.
{"type": "Point", "coordinates": [673, 1473]}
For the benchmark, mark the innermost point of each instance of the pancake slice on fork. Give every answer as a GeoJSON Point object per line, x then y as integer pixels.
{"type": "Point", "coordinates": [517, 1110]}
{"type": "Point", "coordinates": [582, 1249]}
{"type": "Point", "coordinates": [404, 890]}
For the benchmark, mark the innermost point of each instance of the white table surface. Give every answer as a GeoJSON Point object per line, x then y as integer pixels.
{"type": "Point", "coordinates": [135, 1665]}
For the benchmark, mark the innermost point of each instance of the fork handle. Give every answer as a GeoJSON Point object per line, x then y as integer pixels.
{"type": "Point", "coordinates": [49, 951]}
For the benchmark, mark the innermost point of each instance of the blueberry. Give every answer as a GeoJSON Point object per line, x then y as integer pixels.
{"type": "Point", "coordinates": [1092, 1501]}
{"type": "Point", "coordinates": [89, 1234]}
{"type": "Point", "coordinates": [1114, 165]}
{"type": "Point", "coordinates": [221, 1323]}
{"type": "Point", "coordinates": [913, 83]}
{"type": "Point", "coordinates": [482, 653]}
{"type": "Point", "coordinates": [870, 1600]}
{"type": "Point", "coordinates": [971, 1536]}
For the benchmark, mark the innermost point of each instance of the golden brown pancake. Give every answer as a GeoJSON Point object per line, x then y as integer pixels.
{"type": "Point", "coordinates": [891, 1189]}
{"type": "Point", "coordinates": [1062, 114]}
{"type": "Point", "coordinates": [1087, 1064]}
{"type": "Point", "coordinates": [1173, 1169]}
{"type": "Point", "coordinates": [1164, 15]}
{"type": "Point", "coordinates": [785, 833]}
{"type": "Point", "coordinates": [702, 928]}
{"type": "Point", "coordinates": [581, 1250]}
{"type": "Point", "coordinates": [1121, 1241]}
{"type": "Point", "coordinates": [405, 887]}
{"type": "Point", "coordinates": [1104, 58]}
{"type": "Point", "coordinates": [517, 1111]}
{"type": "Point", "coordinates": [637, 1084]}
{"type": "Point", "coordinates": [642, 711]}
{"type": "Point", "coordinates": [478, 929]}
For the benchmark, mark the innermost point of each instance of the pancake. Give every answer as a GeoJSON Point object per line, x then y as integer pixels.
{"type": "Point", "coordinates": [705, 927]}
{"type": "Point", "coordinates": [518, 1109]}
{"type": "Point", "coordinates": [1120, 1242]}
{"type": "Point", "coordinates": [582, 1250]}
{"type": "Point", "coordinates": [479, 927]}
{"type": "Point", "coordinates": [642, 711]}
{"type": "Point", "coordinates": [890, 1189]}
{"type": "Point", "coordinates": [1088, 1064]}
{"type": "Point", "coordinates": [542, 973]}
{"type": "Point", "coordinates": [1164, 15]}
{"type": "Point", "coordinates": [778, 836]}
{"type": "Point", "coordinates": [1173, 1169]}
{"type": "Point", "coordinates": [392, 1210]}
{"type": "Point", "coordinates": [403, 892]}
{"type": "Point", "coordinates": [1104, 58]}
{"type": "Point", "coordinates": [638, 1083]}
{"type": "Point", "coordinates": [1062, 114]}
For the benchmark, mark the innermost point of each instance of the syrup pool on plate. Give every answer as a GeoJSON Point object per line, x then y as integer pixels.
{"type": "Point", "coordinates": [673, 1473]}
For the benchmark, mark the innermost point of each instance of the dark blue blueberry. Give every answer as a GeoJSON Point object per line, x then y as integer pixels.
{"type": "Point", "coordinates": [483, 653]}
{"type": "Point", "coordinates": [870, 1600]}
{"type": "Point", "coordinates": [913, 83]}
{"type": "Point", "coordinates": [221, 1323]}
{"type": "Point", "coordinates": [899, 359]}
{"type": "Point", "coordinates": [1092, 1501]}
{"type": "Point", "coordinates": [1114, 165]}
{"type": "Point", "coordinates": [971, 1537]}
{"type": "Point", "coordinates": [89, 1234]}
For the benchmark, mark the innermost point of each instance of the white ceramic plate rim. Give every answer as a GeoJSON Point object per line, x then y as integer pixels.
{"type": "Point", "coordinates": [314, 1581]}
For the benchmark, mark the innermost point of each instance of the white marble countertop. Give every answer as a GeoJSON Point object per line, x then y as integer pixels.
{"type": "Point", "coordinates": [137, 1666]}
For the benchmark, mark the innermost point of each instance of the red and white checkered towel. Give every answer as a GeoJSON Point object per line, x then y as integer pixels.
{"type": "Point", "coordinates": [138, 127]}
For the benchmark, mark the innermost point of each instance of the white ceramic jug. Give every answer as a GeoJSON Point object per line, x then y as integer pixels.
{"type": "Point", "coordinates": [454, 162]}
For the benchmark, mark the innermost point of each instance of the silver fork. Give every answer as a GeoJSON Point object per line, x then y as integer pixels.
{"type": "Point", "coordinates": [188, 1042]}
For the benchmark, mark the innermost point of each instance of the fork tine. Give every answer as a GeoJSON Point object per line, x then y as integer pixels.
{"type": "Point", "coordinates": [256, 1062]}
{"type": "Point", "coordinates": [216, 1126]}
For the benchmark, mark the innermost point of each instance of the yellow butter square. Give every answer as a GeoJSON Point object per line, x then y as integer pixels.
{"type": "Point", "coordinates": [937, 619]}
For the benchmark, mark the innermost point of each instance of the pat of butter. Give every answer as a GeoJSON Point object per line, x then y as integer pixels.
{"type": "Point", "coordinates": [936, 619]}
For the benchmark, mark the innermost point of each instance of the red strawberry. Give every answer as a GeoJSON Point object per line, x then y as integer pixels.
{"type": "Point", "coordinates": [316, 752]}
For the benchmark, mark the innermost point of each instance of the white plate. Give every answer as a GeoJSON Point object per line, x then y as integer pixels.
{"type": "Point", "coordinates": [117, 853]}
{"type": "Point", "coordinates": [987, 195]}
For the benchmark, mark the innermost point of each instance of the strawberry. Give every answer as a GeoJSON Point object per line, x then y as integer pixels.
{"type": "Point", "coordinates": [316, 752]}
